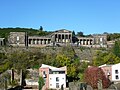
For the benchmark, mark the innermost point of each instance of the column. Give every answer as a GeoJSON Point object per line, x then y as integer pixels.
{"type": "Point", "coordinates": [89, 42]}
{"type": "Point", "coordinates": [61, 38]}
{"type": "Point", "coordinates": [31, 41]}
{"type": "Point", "coordinates": [43, 42]}
{"type": "Point", "coordinates": [57, 37]}
{"type": "Point", "coordinates": [81, 41]}
{"type": "Point", "coordinates": [35, 41]}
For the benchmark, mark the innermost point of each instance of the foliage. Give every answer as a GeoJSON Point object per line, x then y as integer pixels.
{"type": "Point", "coordinates": [73, 33]}
{"type": "Point", "coordinates": [116, 48]}
{"type": "Point", "coordinates": [113, 36]}
{"type": "Point", "coordinates": [4, 32]}
{"type": "Point", "coordinates": [81, 69]}
{"type": "Point", "coordinates": [41, 82]}
{"type": "Point", "coordinates": [80, 34]}
{"type": "Point", "coordinates": [105, 58]}
{"type": "Point", "coordinates": [93, 75]}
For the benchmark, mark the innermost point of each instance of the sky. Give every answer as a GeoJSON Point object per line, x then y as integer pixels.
{"type": "Point", "coordinates": [87, 16]}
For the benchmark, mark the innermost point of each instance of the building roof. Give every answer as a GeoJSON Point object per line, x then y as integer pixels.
{"type": "Point", "coordinates": [105, 65]}
{"type": "Point", "coordinates": [63, 31]}
{"type": "Point", "coordinates": [53, 68]}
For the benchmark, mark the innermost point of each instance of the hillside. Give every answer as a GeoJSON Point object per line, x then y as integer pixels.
{"type": "Point", "coordinates": [4, 32]}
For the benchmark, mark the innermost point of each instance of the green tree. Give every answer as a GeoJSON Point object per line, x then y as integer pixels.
{"type": "Point", "coordinates": [111, 59]}
{"type": "Point", "coordinates": [41, 82]}
{"type": "Point", "coordinates": [116, 48]}
{"type": "Point", "coordinates": [80, 34]}
{"type": "Point", "coordinates": [73, 33]}
{"type": "Point", "coordinates": [41, 28]}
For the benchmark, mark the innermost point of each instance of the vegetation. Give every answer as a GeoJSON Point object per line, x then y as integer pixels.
{"type": "Point", "coordinates": [4, 32]}
{"type": "Point", "coordinates": [108, 57]}
{"type": "Point", "coordinates": [95, 74]}
{"type": "Point", "coordinates": [41, 83]}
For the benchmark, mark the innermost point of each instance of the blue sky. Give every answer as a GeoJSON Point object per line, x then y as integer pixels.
{"type": "Point", "coordinates": [88, 16]}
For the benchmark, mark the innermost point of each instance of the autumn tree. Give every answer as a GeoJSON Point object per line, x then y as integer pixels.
{"type": "Point", "coordinates": [93, 75]}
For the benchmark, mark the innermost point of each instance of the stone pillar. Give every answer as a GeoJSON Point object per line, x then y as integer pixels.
{"type": "Point", "coordinates": [35, 41]}
{"type": "Point", "coordinates": [61, 38]}
{"type": "Point", "coordinates": [43, 42]}
{"type": "Point", "coordinates": [81, 41]}
{"type": "Point", "coordinates": [85, 42]}
{"type": "Point", "coordinates": [31, 41]}
{"type": "Point", "coordinates": [57, 38]}
{"type": "Point", "coordinates": [40, 41]}
{"type": "Point", "coordinates": [46, 41]}
{"type": "Point", "coordinates": [89, 42]}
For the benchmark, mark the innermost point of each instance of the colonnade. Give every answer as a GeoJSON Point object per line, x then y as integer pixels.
{"type": "Point", "coordinates": [39, 41]}
{"type": "Point", "coordinates": [63, 37]}
{"type": "Point", "coordinates": [85, 41]}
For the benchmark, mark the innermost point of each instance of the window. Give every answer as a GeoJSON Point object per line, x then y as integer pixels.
{"type": "Point", "coordinates": [57, 85]}
{"type": "Point", "coordinates": [116, 71]}
{"type": "Point", "coordinates": [44, 72]}
{"type": "Point", "coordinates": [57, 79]}
{"type": "Point", "coordinates": [116, 77]}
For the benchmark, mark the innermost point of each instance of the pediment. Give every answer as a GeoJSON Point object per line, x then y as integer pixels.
{"type": "Point", "coordinates": [63, 31]}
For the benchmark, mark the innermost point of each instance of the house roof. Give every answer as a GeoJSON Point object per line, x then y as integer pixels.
{"type": "Point", "coordinates": [63, 31]}
{"type": "Point", "coordinates": [53, 68]}
{"type": "Point", "coordinates": [105, 65]}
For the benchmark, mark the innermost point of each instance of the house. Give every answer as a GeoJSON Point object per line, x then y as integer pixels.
{"type": "Point", "coordinates": [116, 72]}
{"type": "Point", "coordinates": [107, 69]}
{"type": "Point", "coordinates": [112, 72]}
{"type": "Point", "coordinates": [54, 78]}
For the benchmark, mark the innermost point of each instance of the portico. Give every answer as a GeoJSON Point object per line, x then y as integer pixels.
{"type": "Point", "coordinates": [85, 41]}
{"type": "Point", "coordinates": [38, 40]}
{"type": "Point", "coordinates": [63, 36]}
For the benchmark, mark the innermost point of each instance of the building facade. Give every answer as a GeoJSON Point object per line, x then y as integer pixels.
{"type": "Point", "coordinates": [54, 78]}
{"type": "Point", "coordinates": [116, 72]}
{"type": "Point", "coordinates": [112, 72]}
{"type": "Point", "coordinates": [59, 37]}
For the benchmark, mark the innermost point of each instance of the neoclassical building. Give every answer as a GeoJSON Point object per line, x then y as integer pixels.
{"type": "Point", "coordinates": [59, 37]}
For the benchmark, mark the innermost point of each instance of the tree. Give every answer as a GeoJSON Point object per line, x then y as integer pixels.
{"type": "Point", "coordinates": [105, 58]}
{"type": "Point", "coordinates": [73, 33]}
{"type": "Point", "coordinates": [41, 82]}
{"type": "Point", "coordinates": [116, 48]}
{"type": "Point", "coordinates": [99, 58]}
{"type": "Point", "coordinates": [93, 75]}
{"type": "Point", "coordinates": [80, 34]}
{"type": "Point", "coordinates": [41, 28]}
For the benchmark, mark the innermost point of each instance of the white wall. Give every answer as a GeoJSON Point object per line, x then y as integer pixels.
{"type": "Point", "coordinates": [115, 67]}
{"type": "Point", "coordinates": [52, 80]}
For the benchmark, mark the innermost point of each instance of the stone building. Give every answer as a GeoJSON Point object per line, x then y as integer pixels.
{"type": "Point", "coordinates": [18, 39]}
{"type": "Point", "coordinates": [59, 37]}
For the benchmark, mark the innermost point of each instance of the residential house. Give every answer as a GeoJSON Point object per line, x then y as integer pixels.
{"type": "Point", "coordinates": [55, 78]}
{"type": "Point", "coordinates": [116, 72]}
